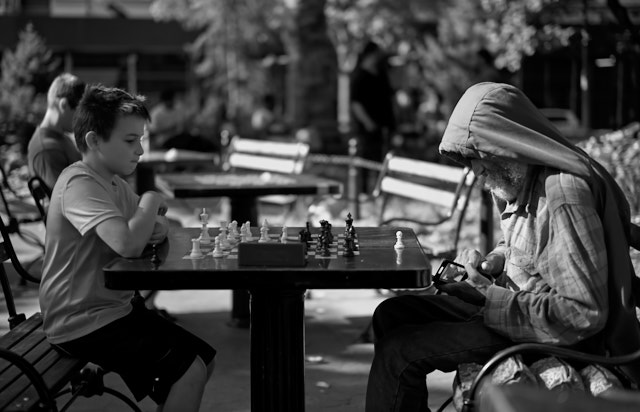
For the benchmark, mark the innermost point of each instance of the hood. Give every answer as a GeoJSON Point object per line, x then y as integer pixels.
{"type": "Point", "coordinates": [497, 121]}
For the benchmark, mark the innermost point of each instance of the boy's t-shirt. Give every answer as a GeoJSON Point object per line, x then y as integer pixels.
{"type": "Point", "coordinates": [73, 298]}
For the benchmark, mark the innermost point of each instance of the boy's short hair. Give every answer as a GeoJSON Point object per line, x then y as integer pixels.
{"type": "Point", "coordinates": [66, 86]}
{"type": "Point", "coordinates": [99, 110]}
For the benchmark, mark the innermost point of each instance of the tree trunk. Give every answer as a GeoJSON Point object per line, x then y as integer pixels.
{"type": "Point", "coordinates": [313, 92]}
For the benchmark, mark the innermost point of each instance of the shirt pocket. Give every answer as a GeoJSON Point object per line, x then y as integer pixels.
{"type": "Point", "coordinates": [521, 267]}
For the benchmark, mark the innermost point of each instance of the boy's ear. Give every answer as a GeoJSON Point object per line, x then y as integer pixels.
{"type": "Point", "coordinates": [92, 140]}
{"type": "Point", "coordinates": [63, 105]}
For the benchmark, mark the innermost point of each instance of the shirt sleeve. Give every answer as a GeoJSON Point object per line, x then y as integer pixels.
{"type": "Point", "coordinates": [86, 203]}
{"type": "Point", "coordinates": [48, 164]}
{"type": "Point", "coordinates": [573, 304]}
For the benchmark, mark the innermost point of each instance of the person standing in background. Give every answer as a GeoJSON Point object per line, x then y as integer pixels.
{"type": "Point", "coordinates": [51, 149]}
{"type": "Point", "coordinates": [372, 108]}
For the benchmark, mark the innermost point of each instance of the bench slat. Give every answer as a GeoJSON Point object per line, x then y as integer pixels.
{"type": "Point", "coordinates": [429, 170]}
{"type": "Point", "coordinates": [415, 191]}
{"type": "Point", "coordinates": [273, 164]}
{"type": "Point", "coordinates": [56, 371]}
{"type": "Point", "coordinates": [35, 347]}
{"type": "Point", "coordinates": [280, 149]}
{"type": "Point", "coordinates": [18, 333]}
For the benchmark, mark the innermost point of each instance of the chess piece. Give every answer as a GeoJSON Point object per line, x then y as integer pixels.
{"type": "Point", "coordinates": [399, 256]}
{"type": "Point", "coordinates": [243, 233]}
{"type": "Point", "coordinates": [155, 259]}
{"type": "Point", "coordinates": [231, 233]}
{"type": "Point", "coordinates": [247, 230]}
{"type": "Point", "coordinates": [224, 241]}
{"type": "Point", "coordinates": [195, 249]}
{"type": "Point", "coordinates": [283, 236]}
{"type": "Point", "coordinates": [264, 234]}
{"type": "Point", "coordinates": [399, 244]}
{"type": "Point", "coordinates": [217, 249]}
{"type": "Point", "coordinates": [354, 236]}
{"type": "Point", "coordinates": [204, 217]}
{"type": "Point", "coordinates": [326, 251]}
{"type": "Point", "coordinates": [348, 246]}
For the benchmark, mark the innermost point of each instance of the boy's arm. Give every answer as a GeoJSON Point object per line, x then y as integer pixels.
{"type": "Point", "coordinates": [128, 238]}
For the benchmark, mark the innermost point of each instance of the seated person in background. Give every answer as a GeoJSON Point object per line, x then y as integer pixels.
{"type": "Point", "coordinates": [93, 217]}
{"type": "Point", "coordinates": [50, 149]}
{"type": "Point", "coordinates": [561, 274]}
{"type": "Point", "coordinates": [167, 120]}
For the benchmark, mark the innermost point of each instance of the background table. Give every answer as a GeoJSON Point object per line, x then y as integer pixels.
{"type": "Point", "coordinates": [243, 190]}
{"type": "Point", "coordinates": [159, 159]}
{"type": "Point", "coordinates": [277, 296]}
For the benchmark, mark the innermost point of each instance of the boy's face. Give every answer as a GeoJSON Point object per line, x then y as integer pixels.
{"type": "Point", "coordinates": [120, 154]}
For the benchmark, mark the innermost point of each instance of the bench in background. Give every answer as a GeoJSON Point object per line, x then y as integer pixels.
{"type": "Point", "coordinates": [269, 157]}
{"type": "Point", "coordinates": [446, 188]}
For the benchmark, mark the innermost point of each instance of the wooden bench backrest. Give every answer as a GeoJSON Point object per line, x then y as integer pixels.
{"type": "Point", "coordinates": [446, 187]}
{"type": "Point", "coordinates": [41, 195]}
{"type": "Point", "coordinates": [263, 155]}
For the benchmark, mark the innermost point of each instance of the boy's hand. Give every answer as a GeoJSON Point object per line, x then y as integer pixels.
{"type": "Point", "coordinates": [160, 230]}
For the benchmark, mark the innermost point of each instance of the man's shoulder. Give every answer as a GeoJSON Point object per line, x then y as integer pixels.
{"type": "Point", "coordinates": [566, 188]}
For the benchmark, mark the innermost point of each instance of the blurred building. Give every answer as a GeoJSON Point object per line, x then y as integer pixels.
{"type": "Point", "coordinates": [115, 43]}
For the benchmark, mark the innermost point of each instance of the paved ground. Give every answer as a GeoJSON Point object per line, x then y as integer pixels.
{"type": "Point", "coordinates": [337, 365]}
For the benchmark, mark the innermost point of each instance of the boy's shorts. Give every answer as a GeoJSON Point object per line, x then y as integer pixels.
{"type": "Point", "coordinates": [149, 352]}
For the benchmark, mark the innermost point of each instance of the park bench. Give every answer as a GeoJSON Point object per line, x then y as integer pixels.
{"type": "Point", "coordinates": [446, 189]}
{"type": "Point", "coordinates": [33, 374]}
{"type": "Point", "coordinates": [41, 194]}
{"type": "Point", "coordinates": [18, 209]}
{"type": "Point", "coordinates": [269, 157]}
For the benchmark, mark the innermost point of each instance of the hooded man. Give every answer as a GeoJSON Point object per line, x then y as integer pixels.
{"type": "Point", "coordinates": [562, 272]}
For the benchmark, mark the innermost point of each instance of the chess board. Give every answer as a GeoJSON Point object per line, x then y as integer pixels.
{"type": "Point", "coordinates": [336, 250]}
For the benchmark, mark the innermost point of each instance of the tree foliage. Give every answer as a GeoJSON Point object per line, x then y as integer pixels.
{"type": "Point", "coordinates": [25, 74]}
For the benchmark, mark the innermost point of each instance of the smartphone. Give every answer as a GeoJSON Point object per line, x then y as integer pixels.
{"type": "Point", "coordinates": [450, 272]}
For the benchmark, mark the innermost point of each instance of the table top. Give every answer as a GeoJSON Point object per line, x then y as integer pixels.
{"type": "Point", "coordinates": [213, 184]}
{"type": "Point", "coordinates": [175, 156]}
{"type": "Point", "coordinates": [378, 265]}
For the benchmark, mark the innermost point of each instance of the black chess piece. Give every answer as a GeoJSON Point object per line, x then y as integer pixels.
{"type": "Point", "coordinates": [349, 223]}
{"type": "Point", "coordinates": [354, 236]}
{"type": "Point", "coordinates": [329, 233]}
{"type": "Point", "coordinates": [155, 259]}
{"type": "Point", "coordinates": [348, 246]}
{"type": "Point", "coordinates": [326, 251]}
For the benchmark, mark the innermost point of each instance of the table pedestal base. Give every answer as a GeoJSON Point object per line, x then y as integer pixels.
{"type": "Point", "coordinates": [277, 350]}
{"type": "Point", "coordinates": [242, 209]}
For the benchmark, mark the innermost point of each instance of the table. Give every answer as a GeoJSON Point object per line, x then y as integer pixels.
{"type": "Point", "coordinates": [157, 159]}
{"type": "Point", "coordinates": [277, 296]}
{"type": "Point", "coordinates": [243, 190]}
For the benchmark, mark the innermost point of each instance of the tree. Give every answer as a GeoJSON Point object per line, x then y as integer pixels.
{"type": "Point", "coordinates": [26, 72]}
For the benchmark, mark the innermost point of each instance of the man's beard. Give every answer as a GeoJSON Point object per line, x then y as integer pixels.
{"type": "Point", "coordinates": [506, 181]}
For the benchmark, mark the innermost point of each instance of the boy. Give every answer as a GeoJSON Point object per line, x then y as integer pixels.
{"type": "Point", "coordinates": [95, 216]}
{"type": "Point", "coordinates": [50, 150]}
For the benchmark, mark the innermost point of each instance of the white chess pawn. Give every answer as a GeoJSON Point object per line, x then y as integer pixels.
{"type": "Point", "coordinates": [399, 244]}
{"type": "Point", "coordinates": [283, 236]}
{"type": "Point", "coordinates": [224, 240]}
{"type": "Point", "coordinates": [195, 249]}
{"type": "Point", "coordinates": [205, 239]}
{"type": "Point", "coordinates": [231, 233]}
{"type": "Point", "coordinates": [217, 249]}
{"type": "Point", "coordinates": [248, 231]}
{"type": "Point", "coordinates": [234, 228]}
{"type": "Point", "coordinates": [264, 234]}
{"type": "Point", "coordinates": [243, 233]}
